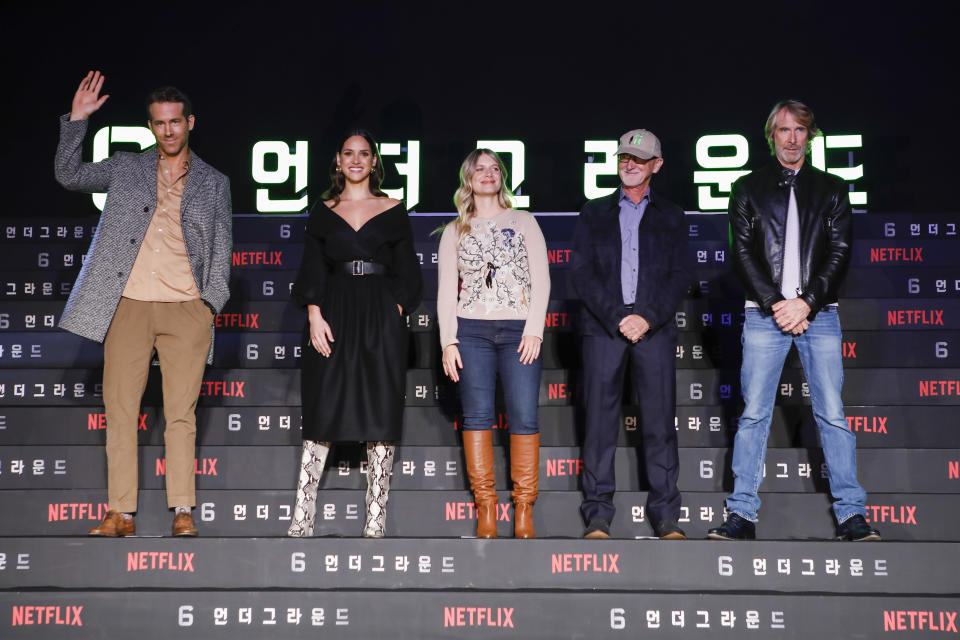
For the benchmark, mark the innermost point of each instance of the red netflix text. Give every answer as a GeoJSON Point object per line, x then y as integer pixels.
{"type": "Point", "coordinates": [584, 562]}
{"type": "Point", "coordinates": [97, 421]}
{"type": "Point", "coordinates": [468, 511]}
{"type": "Point", "coordinates": [201, 466]}
{"type": "Point", "coordinates": [896, 254]}
{"type": "Point", "coordinates": [478, 617]}
{"type": "Point", "coordinates": [160, 561]}
{"type": "Point", "coordinates": [867, 424]}
{"type": "Point", "coordinates": [244, 258]}
{"type": "Point", "coordinates": [68, 615]}
{"type": "Point", "coordinates": [238, 320]}
{"type": "Point", "coordinates": [222, 388]}
{"type": "Point", "coordinates": [900, 514]}
{"type": "Point", "coordinates": [914, 316]}
{"type": "Point", "coordinates": [59, 511]}
{"type": "Point", "coordinates": [900, 620]}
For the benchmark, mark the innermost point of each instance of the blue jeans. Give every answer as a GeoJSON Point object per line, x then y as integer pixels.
{"type": "Point", "coordinates": [765, 348]}
{"type": "Point", "coordinates": [489, 347]}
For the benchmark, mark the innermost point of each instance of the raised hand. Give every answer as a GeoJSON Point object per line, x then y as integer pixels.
{"type": "Point", "coordinates": [87, 99]}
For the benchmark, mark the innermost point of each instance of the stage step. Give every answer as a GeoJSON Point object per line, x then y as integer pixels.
{"type": "Point", "coordinates": [784, 516]}
{"type": "Point", "coordinates": [442, 468]}
{"type": "Point", "coordinates": [892, 426]}
{"type": "Point", "coordinates": [443, 564]}
{"type": "Point", "coordinates": [365, 615]}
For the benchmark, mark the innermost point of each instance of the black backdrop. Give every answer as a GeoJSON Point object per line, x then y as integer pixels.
{"type": "Point", "coordinates": [451, 73]}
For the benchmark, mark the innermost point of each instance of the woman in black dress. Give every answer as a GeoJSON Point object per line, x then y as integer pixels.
{"type": "Point", "coordinates": [359, 278]}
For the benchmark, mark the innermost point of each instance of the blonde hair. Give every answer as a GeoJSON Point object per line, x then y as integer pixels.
{"type": "Point", "coordinates": [464, 199]}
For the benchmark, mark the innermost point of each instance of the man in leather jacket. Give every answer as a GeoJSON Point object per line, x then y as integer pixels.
{"type": "Point", "coordinates": [791, 231]}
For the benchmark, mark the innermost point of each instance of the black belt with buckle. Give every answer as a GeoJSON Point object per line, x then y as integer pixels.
{"type": "Point", "coordinates": [360, 268]}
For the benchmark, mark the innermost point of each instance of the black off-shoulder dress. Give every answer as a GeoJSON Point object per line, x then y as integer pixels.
{"type": "Point", "coordinates": [357, 394]}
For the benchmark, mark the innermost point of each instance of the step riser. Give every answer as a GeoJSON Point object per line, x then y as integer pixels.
{"type": "Point", "coordinates": [698, 566]}
{"type": "Point", "coordinates": [452, 514]}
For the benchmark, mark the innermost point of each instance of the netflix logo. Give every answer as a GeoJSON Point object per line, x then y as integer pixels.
{"type": "Point", "coordinates": [160, 561]}
{"type": "Point", "coordinates": [584, 563]}
{"type": "Point", "coordinates": [867, 424]}
{"type": "Point", "coordinates": [248, 258]}
{"type": "Point", "coordinates": [914, 317]}
{"type": "Point", "coordinates": [559, 391]}
{"type": "Point", "coordinates": [478, 617]}
{"type": "Point", "coordinates": [905, 620]}
{"type": "Point", "coordinates": [201, 466]}
{"type": "Point", "coordinates": [896, 254]}
{"type": "Point", "coordinates": [60, 511]}
{"type": "Point", "coordinates": [69, 615]}
{"type": "Point", "coordinates": [97, 421]}
{"type": "Point", "coordinates": [939, 388]}
{"type": "Point", "coordinates": [222, 388]}
{"type": "Point", "coordinates": [557, 320]}
{"type": "Point", "coordinates": [558, 256]}
{"type": "Point", "coordinates": [468, 511]}
{"type": "Point", "coordinates": [564, 467]}
{"type": "Point", "coordinates": [237, 320]}
{"type": "Point", "coordinates": [903, 514]}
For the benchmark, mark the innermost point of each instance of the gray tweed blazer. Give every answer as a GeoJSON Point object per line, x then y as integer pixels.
{"type": "Point", "coordinates": [130, 180]}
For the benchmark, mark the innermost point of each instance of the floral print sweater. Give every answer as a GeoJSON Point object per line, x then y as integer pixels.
{"type": "Point", "coordinates": [502, 270]}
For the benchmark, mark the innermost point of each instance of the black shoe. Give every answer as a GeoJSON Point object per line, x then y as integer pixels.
{"type": "Point", "coordinates": [669, 530]}
{"type": "Point", "coordinates": [735, 528]}
{"type": "Point", "coordinates": [856, 529]}
{"type": "Point", "coordinates": [598, 529]}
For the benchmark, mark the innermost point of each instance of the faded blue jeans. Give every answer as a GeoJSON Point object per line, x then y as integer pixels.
{"type": "Point", "coordinates": [765, 348]}
{"type": "Point", "coordinates": [488, 348]}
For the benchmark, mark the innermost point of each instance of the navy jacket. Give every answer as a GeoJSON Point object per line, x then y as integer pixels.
{"type": "Point", "coordinates": [663, 276]}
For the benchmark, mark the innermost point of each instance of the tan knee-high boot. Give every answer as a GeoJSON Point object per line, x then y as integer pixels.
{"type": "Point", "coordinates": [525, 473]}
{"type": "Point", "coordinates": [379, 466]}
{"type": "Point", "coordinates": [478, 450]}
{"type": "Point", "coordinates": [312, 460]}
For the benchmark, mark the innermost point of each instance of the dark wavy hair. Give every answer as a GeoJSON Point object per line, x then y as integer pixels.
{"type": "Point", "coordinates": [338, 181]}
{"type": "Point", "coordinates": [170, 94]}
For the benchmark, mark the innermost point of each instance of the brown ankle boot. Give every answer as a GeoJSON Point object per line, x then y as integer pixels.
{"type": "Point", "coordinates": [478, 450]}
{"type": "Point", "coordinates": [525, 473]}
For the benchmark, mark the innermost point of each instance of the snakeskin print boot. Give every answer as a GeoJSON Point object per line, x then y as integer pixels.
{"type": "Point", "coordinates": [379, 466]}
{"type": "Point", "coordinates": [311, 468]}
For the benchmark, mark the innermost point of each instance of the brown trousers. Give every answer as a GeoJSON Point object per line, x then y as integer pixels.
{"type": "Point", "coordinates": [180, 333]}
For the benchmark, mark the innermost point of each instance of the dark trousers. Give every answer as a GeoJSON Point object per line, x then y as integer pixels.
{"type": "Point", "coordinates": [652, 364]}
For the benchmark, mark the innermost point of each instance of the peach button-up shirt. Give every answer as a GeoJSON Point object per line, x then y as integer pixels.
{"type": "Point", "coordinates": [161, 272]}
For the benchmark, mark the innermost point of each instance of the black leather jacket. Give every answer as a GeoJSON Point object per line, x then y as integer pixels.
{"type": "Point", "coordinates": [758, 217]}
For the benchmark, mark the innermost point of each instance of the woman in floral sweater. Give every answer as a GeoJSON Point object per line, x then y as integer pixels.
{"type": "Point", "coordinates": [493, 324]}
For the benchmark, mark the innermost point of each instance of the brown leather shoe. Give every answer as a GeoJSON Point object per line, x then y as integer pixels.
{"type": "Point", "coordinates": [183, 525]}
{"type": "Point", "coordinates": [114, 525]}
{"type": "Point", "coordinates": [478, 451]}
{"type": "Point", "coordinates": [525, 473]}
